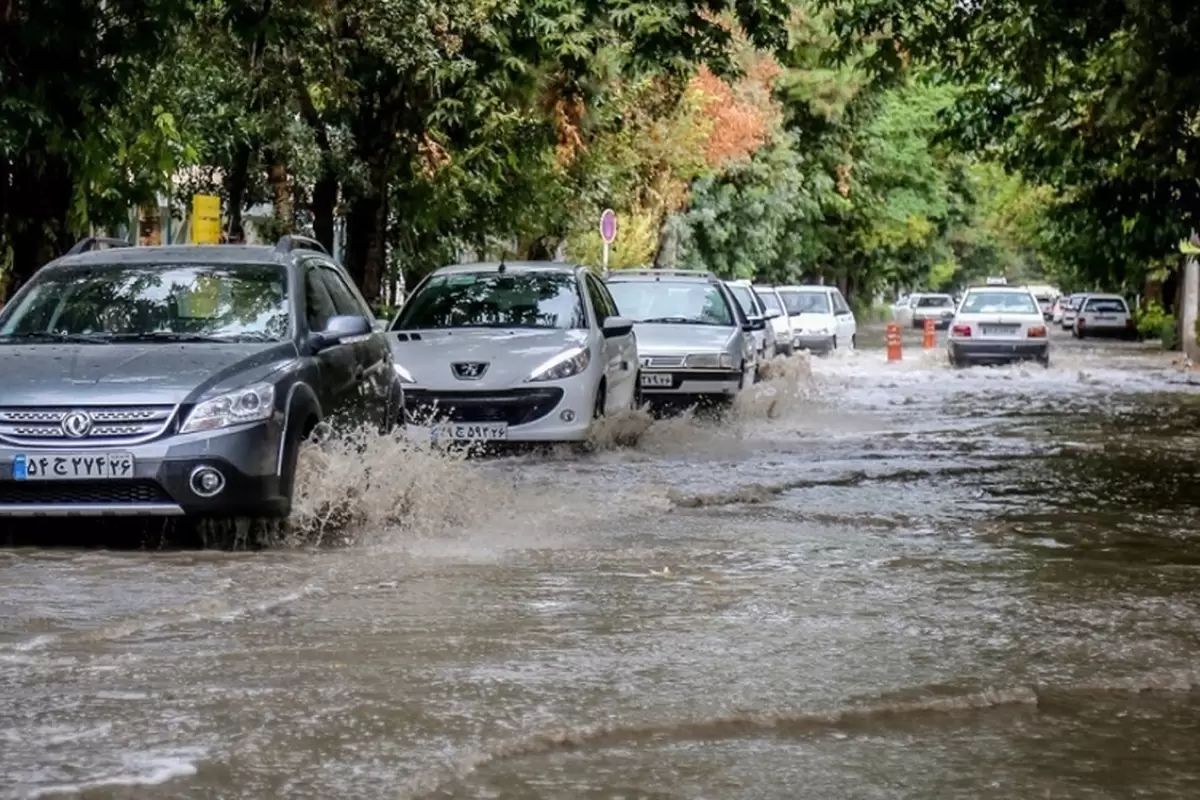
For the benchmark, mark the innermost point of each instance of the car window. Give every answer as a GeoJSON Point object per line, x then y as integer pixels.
{"type": "Point", "coordinates": [770, 300]}
{"type": "Point", "coordinates": [609, 302]}
{"type": "Point", "coordinates": [1107, 305]}
{"type": "Point", "coordinates": [745, 299]}
{"type": "Point", "coordinates": [682, 302]}
{"type": "Point", "coordinates": [241, 301]}
{"type": "Point", "coordinates": [985, 302]}
{"type": "Point", "coordinates": [839, 303]}
{"type": "Point", "coordinates": [935, 301]}
{"type": "Point", "coordinates": [538, 299]}
{"type": "Point", "coordinates": [803, 302]}
{"type": "Point", "coordinates": [599, 301]}
{"type": "Point", "coordinates": [318, 305]}
{"type": "Point", "coordinates": [343, 301]}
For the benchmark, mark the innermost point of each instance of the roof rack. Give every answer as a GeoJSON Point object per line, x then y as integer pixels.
{"type": "Point", "coordinates": [290, 242]}
{"type": "Point", "coordinates": [90, 243]}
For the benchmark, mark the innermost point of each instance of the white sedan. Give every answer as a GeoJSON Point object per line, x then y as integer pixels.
{"type": "Point", "coordinates": [1104, 315]}
{"type": "Point", "coordinates": [521, 352]}
{"type": "Point", "coordinates": [998, 325]}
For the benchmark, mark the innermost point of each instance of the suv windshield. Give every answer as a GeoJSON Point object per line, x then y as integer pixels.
{"type": "Point", "coordinates": [805, 303]}
{"type": "Point", "coordinates": [984, 302]}
{"type": "Point", "coordinates": [745, 300]}
{"type": "Point", "coordinates": [672, 302]}
{"type": "Point", "coordinates": [935, 301]}
{"type": "Point", "coordinates": [245, 302]}
{"type": "Point", "coordinates": [1106, 305]}
{"type": "Point", "coordinates": [495, 300]}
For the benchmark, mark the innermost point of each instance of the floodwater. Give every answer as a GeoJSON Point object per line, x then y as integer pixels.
{"type": "Point", "coordinates": [877, 581]}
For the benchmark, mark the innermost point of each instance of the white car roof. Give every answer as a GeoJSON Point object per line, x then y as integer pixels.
{"type": "Point", "coordinates": [1099, 296]}
{"type": "Point", "coordinates": [808, 287]}
{"type": "Point", "coordinates": [1000, 288]}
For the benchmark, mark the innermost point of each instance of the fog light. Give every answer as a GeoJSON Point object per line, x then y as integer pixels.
{"type": "Point", "coordinates": [567, 416]}
{"type": "Point", "coordinates": [207, 482]}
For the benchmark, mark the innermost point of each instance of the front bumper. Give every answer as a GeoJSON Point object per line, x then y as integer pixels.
{"type": "Point", "coordinates": [248, 457]}
{"type": "Point", "coordinates": [999, 352]}
{"type": "Point", "coordinates": [558, 411]}
{"type": "Point", "coordinates": [691, 383]}
{"type": "Point", "coordinates": [817, 344]}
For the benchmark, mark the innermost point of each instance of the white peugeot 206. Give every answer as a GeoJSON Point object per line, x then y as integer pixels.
{"type": "Point", "coordinates": [518, 352]}
{"type": "Point", "coordinates": [998, 325]}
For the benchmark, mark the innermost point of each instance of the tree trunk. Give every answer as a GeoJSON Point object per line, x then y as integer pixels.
{"type": "Point", "coordinates": [236, 182]}
{"type": "Point", "coordinates": [281, 195]}
{"type": "Point", "coordinates": [36, 202]}
{"type": "Point", "coordinates": [324, 207]}
{"type": "Point", "coordinates": [366, 236]}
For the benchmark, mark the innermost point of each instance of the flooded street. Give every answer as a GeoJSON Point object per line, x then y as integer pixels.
{"type": "Point", "coordinates": [877, 581]}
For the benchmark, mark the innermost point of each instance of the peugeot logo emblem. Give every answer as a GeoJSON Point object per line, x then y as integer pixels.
{"type": "Point", "coordinates": [77, 424]}
{"type": "Point", "coordinates": [469, 371]}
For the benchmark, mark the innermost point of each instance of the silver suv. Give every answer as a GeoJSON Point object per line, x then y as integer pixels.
{"type": "Point", "coordinates": [180, 380]}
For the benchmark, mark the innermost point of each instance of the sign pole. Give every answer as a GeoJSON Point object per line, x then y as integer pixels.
{"type": "Point", "coordinates": [608, 232]}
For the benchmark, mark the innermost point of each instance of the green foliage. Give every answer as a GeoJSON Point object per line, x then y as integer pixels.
{"type": "Point", "coordinates": [1153, 322]}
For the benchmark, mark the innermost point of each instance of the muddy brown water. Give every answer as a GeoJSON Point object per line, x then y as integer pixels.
{"type": "Point", "coordinates": [877, 581]}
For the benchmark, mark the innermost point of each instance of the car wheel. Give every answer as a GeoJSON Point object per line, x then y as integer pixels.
{"type": "Point", "coordinates": [638, 398]}
{"type": "Point", "coordinates": [854, 341]}
{"type": "Point", "coordinates": [1045, 361]}
{"type": "Point", "coordinates": [601, 400]}
{"type": "Point", "coordinates": [834, 345]}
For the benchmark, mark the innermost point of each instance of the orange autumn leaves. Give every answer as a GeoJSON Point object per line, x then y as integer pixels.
{"type": "Point", "coordinates": [741, 115]}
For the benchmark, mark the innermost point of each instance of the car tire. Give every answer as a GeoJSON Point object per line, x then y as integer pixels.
{"type": "Point", "coordinates": [833, 346]}
{"type": "Point", "coordinates": [854, 341]}
{"type": "Point", "coordinates": [639, 399]}
{"type": "Point", "coordinates": [1078, 334]}
{"type": "Point", "coordinates": [1045, 361]}
{"type": "Point", "coordinates": [601, 399]}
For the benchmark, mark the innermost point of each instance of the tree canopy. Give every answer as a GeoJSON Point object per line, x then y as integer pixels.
{"type": "Point", "coordinates": [877, 144]}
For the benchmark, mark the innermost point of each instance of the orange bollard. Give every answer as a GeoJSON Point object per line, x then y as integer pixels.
{"type": "Point", "coordinates": [893, 342]}
{"type": "Point", "coordinates": [930, 340]}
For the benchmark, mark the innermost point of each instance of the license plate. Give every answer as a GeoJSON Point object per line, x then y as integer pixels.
{"type": "Point", "coordinates": [1106, 318]}
{"type": "Point", "coordinates": [469, 432]}
{"type": "Point", "coordinates": [72, 466]}
{"type": "Point", "coordinates": [998, 330]}
{"type": "Point", "coordinates": [658, 381]}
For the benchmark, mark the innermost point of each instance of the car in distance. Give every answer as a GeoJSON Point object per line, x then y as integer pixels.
{"type": "Point", "coordinates": [180, 380]}
{"type": "Point", "coordinates": [996, 325]}
{"type": "Point", "coordinates": [513, 352]}
{"type": "Point", "coordinates": [779, 323]}
{"type": "Point", "coordinates": [1104, 315]}
{"type": "Point", "coordinates": [820, 317]}
{"type": "Point", "coordinates": [756, 310]}
{"type": "Point", "coordinates": [936, 307]}
{"type": "Point", "coordinates": [1071, 310]}
{"type": "Point", "coordinates": [693, 343]}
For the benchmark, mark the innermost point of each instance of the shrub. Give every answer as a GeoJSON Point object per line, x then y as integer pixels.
{"type": "Point", "coordinates": [1153, 322]}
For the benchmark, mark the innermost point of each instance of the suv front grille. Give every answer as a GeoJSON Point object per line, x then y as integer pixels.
{"type": "Point", "coordinates": [66, 493]}
{"type": "Point", "coordinates": [90, 426]}
{"type": "Point", "coordinates": [514, 406]}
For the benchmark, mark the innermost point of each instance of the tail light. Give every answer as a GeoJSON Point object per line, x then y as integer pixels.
{"type": "Point", "coordinates": [960, 330]}
{"type": "Point", "coordinates": [1036, 333]}
{"type": "Point", "coordinates": [1129, 322]}
{"type": "Point", "coordinates": [1080, 321]}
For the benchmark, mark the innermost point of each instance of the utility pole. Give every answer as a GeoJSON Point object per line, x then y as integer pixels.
{"type": "Point", "coordinates": [1191, 299]}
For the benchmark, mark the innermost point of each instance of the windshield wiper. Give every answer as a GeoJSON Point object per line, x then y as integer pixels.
{"type": "Point", "coordinates": [684, 321]}
{"type": "Point", "coordinates": [170, 336]}
{"type": "Point", "coordinates": [88, 338]}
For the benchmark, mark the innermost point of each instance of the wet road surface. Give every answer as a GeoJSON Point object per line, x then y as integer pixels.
{"type": "Point", "coordinates": [879, 581]}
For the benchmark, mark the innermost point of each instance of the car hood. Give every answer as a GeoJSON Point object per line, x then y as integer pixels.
{"type": "Point", "coordinates": [511, 354]}
{"type": "Point", "coordinates": [124, 374]}
{"type": "Point", "coordinates": [662, 339]}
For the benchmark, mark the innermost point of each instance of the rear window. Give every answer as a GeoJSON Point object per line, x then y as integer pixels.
{"type": "Point", "coordinates": [935, 301]}
{"type": "Point", "coordinates": [1106, 305]}
{"type": "Point", "coordinates": [985, 302]}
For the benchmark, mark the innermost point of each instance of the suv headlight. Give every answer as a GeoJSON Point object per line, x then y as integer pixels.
{"type": "Point", "coordinates": [563, 365]}
{"type": "Point", "coordinates": [252, 404]}
{"type": "Point", "coordinates": [709, 361]}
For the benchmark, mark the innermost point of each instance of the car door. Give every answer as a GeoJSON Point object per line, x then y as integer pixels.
{"type": "Point", "coordinates": [373, 353]}
{"type": "Point", "coordinates": [620, 352]}
{"type": "Point", "coordinates": [341, 373]}
{"type": "Point", "coordinates": [847, 327]}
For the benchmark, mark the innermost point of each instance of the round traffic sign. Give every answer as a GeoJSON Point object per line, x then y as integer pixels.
{"type": "Point", "coordinates": [608, 225]}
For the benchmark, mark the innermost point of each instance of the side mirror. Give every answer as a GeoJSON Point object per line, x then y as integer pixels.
{"type": "Point", "coordinates": [616, 326]}
{"type": "Point", "coordinates": [772, 313]}
{"type": "Point", "coordinates": [341, 328]}
{"type": "Point", "coordinates": [755, 324]}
